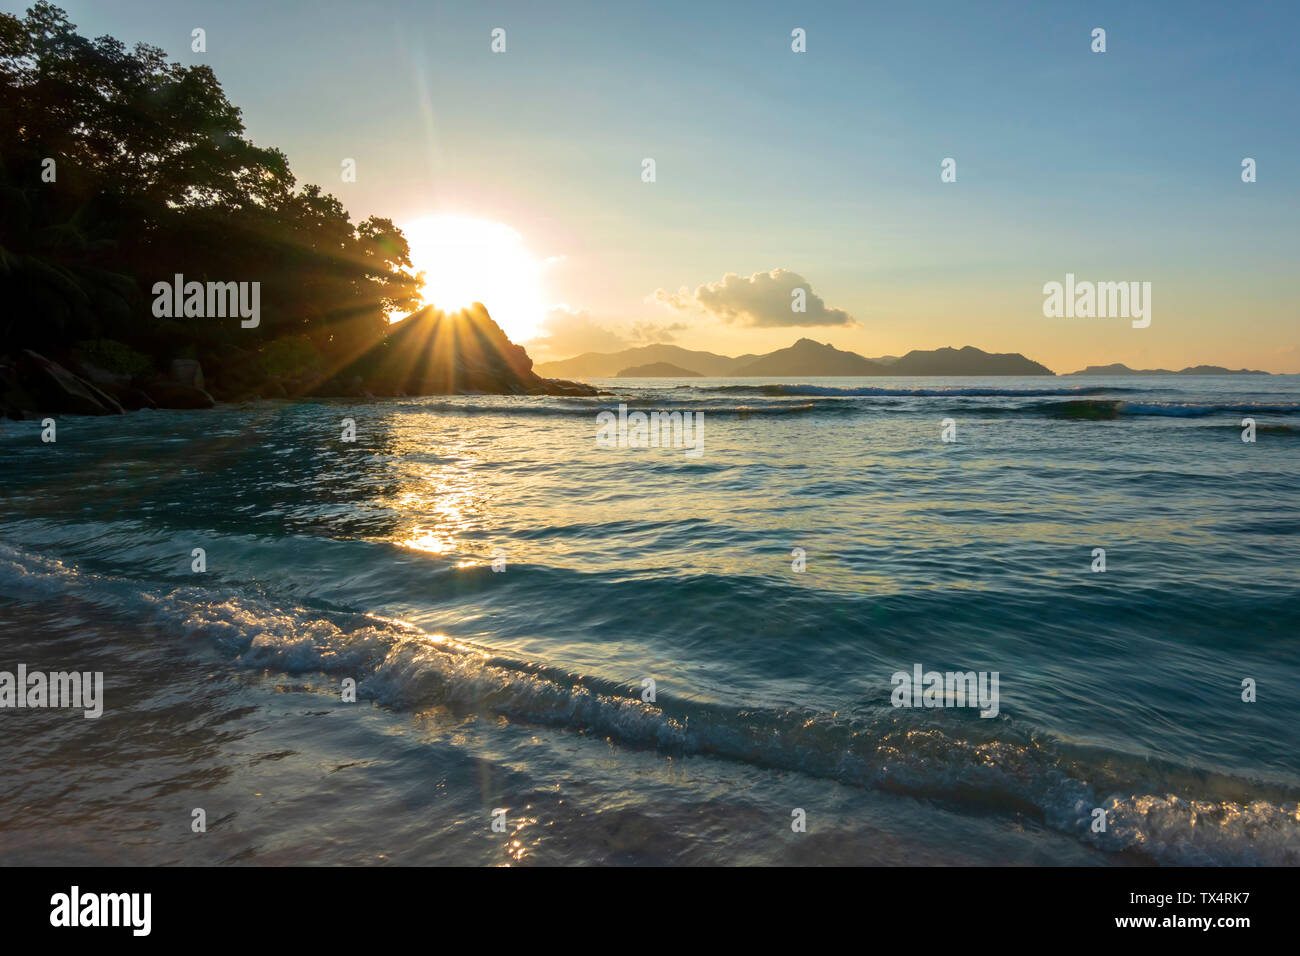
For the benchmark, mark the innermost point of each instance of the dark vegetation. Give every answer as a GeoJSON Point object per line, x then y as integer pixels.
{"type": "Point", "coordinates": [152, 176]}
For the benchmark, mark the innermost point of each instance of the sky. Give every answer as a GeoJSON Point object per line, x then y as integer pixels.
{"type": "Point", "coordinates": [519, 174]}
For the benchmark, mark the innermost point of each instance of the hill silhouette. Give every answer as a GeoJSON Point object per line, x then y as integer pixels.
{"type": "Point", "coordinates": [609, 364]}
{"type": "Point", "coordinates": [807, 357]}
{"type": "Point", "coordinates": [1118, 368]}
{"type": "Point", "coordinates": [657, 370]}
{"type": "Point", "coordinates": [965, 361]}
{"type": "Point", "coordinates": [804, 358]}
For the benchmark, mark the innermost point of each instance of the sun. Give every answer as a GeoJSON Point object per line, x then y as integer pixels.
{"type": "Point", "coordinates": [467, 260]}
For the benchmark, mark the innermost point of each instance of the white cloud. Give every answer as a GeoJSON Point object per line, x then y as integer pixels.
{"type": "Point", "coordinates": [762, 299]}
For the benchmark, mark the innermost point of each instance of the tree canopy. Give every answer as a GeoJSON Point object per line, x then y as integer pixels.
{"type": "Point", "coordinates": [153, 176]}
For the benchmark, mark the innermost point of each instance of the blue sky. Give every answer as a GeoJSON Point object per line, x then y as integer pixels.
{"type": "Point", "coordinates": [1116, 166]}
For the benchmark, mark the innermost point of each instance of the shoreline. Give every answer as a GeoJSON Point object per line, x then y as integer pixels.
{"type": "Point", "coordinates": [33, 386]}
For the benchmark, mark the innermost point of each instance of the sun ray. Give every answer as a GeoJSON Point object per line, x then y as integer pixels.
{"type": "Point", "coordinates": [466, 260]}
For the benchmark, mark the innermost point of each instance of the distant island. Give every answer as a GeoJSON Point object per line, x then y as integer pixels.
{"type": "Point", "coordinates": [1119, 368]}
{"type": "Point", "coordinates": [964, 361]}
{"type": "Point", "coordinates": [815, 359]}
{"type": "Point", "coordinates": [804, 358]}
{"type": "Point", "coordinates": [657, 370]}
{"type": "Point", "coordinates": [609, 364]}
{"type": "Point", "coordinates": [807, 357]}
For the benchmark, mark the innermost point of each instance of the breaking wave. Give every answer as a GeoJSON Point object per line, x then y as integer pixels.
{"type": "Point", "coordinates": [981, 766]}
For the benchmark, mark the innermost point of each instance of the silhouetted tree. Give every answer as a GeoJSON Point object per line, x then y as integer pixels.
{"type": "Point", "coordinates": [154, 177]}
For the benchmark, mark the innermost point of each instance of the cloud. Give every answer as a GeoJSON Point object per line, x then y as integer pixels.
{"type": "Point", "coordinates": [567, 331]}
{"type": "Point", "coordinates": [763, 299]}
{"type": "Point", "coordinates": [645, 332]}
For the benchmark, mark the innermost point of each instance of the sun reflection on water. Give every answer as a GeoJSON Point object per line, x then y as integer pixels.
{"type": "Point", "coordinates": [430, 541]}
{"type": "Point", "coordinates": [441, 498]}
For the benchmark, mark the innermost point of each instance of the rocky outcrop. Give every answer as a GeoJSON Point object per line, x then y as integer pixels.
{"type": "Point", "coordinates": [427, 353]}
{"type": "Point", "coordinates": [32, 385]}
{"type": "Point", "coordinates": [440, 353]}
{"type": "Point", "coordinates": [37, 385]}
{"type": "Point", "coordinates": [165, 393]}
{"type": "Point", "coordinates": [182, 388]}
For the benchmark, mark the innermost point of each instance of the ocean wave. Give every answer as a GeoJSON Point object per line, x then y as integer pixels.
{"type": "Point", "coordinates": [1095, 409]}
{"type": "Point", "coordinates": [1160, 810]}
{"type": "Point", "coordinates": [402, 667]}
{"type": "Point", "coordinates": [1200, 409]}
{"type": "Point", "coordinates": [1264, 428]}
{"type": "Point", "coordinates": [902, 392]}
{"type": "Point", "coordinates": [664, 406]}
{"type": "Point", "coordinates": [842, 402]}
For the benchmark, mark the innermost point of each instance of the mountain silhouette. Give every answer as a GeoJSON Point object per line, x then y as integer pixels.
{"type": "Point", "coordinates": [657, 370]}
{"type": "Point", "coordinates": [1119, 368]}
{"type": "Point", "coordinates": [804, 358]}
{"type": "Point", "coordinates": [965, 361]}
{"type": "Point", "coordinates": [609, 364]}
{"type": "Point", "coordinates": [807, 357]}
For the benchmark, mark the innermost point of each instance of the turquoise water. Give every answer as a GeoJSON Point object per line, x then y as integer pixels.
{"type": "Point", "coordinates": [522, 689]}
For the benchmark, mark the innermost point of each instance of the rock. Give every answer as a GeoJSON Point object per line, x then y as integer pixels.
{"type": "Point", "coordinates": [117, 385]}
{"type": "Point", "coordinates": [559, 386]}
{"type": "Point", "coordinates": [187, 372]}
{"type": "Point", "coordinates": [236, 375]}
{"type": "Point", "coordinates": [133, 399]}
{"type": "Point", "coordinates": [168, 394]}
{"type": "Point", "coordinates": [108, 381]}
{"type": "Point", "coordinates": [110, 402]}
{"type": "Point", "coordinates": [15, 401]}
{"type": "Point", "coordinates": [55, 389]}
{"type": "Point", "coordinates": [440, 353]}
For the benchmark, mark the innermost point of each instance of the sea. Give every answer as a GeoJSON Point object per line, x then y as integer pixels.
{"type": "Point", "coordinates": [465, 631]}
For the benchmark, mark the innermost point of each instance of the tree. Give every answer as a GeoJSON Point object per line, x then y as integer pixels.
{"type": "Point", "coordinates": [154, 177]}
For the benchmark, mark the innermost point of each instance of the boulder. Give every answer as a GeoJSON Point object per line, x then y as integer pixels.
{"type": "Point", "coordinates": [112, 382]}
{"type": "Point", "coordinates": [55, 389]}
{"type": "Point", "coordinates": [134, 399]}
{"type": "Point", "coordinates": [187, 372]}
{"type": "Point", "coordinates": [165, 393]}
{"type": "Point", "coordinates": [559, 386]}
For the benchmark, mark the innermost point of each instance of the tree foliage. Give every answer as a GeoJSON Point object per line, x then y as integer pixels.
{"type": "Point", "coordinates": [153, 177]}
